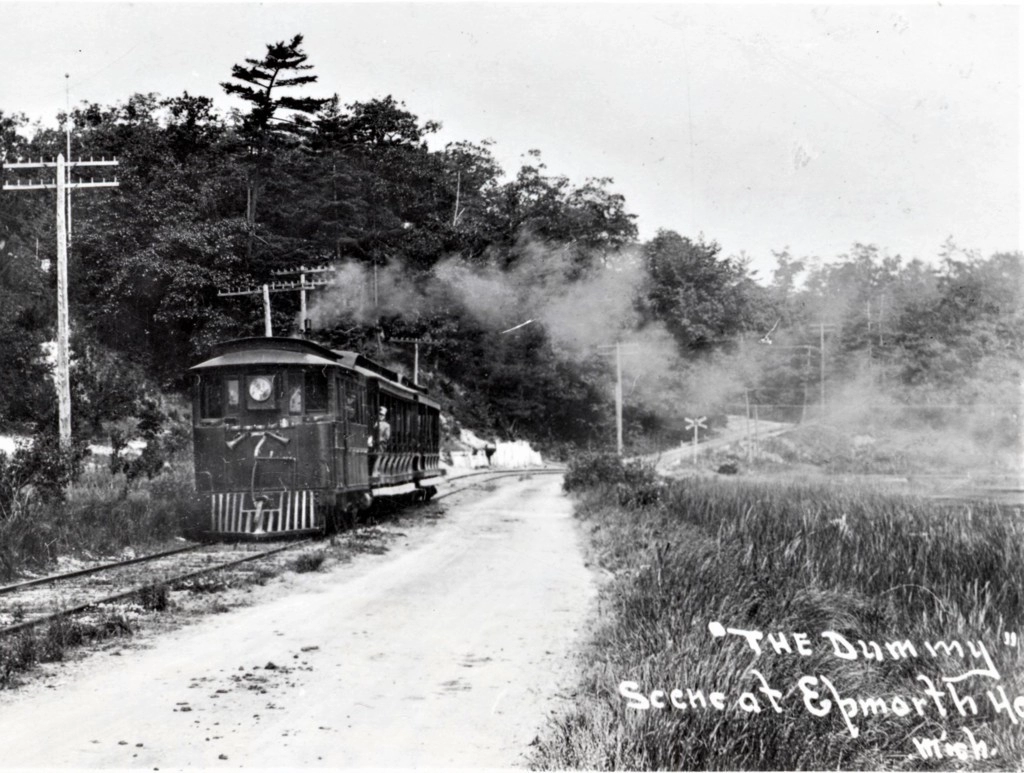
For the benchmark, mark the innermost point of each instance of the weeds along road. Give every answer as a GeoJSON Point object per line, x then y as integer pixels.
{"type": "Point", "coordinates": [449, 650]}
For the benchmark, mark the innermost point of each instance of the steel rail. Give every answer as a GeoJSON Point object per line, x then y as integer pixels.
{"type": "Point", "coordinates": [135, 590]}
{"type": "Point", "coordinates": [54, 578]}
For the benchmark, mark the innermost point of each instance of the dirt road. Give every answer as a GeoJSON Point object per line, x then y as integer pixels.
{"type": "Point", "coordinates": [449, 650]}
{"type": "Point", "coordinates": [680, 459]}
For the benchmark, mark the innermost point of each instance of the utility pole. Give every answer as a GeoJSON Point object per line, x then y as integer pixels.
{"type": "Point", "coordinates": [869, 330]}
{"type": "Point", "coordinates": [268, 327]}
{"type": "Point", "coordinates": [302, 271]}
{"type": "Point", "coordinates": [750, 447]}
{"type": "Point", "coordinates": [821, 360]}
{"type": "Point", "coordinates": [63, 185]}
{"type": "Point", "coordinates": [67, 149]}
{"type": "Point", "coordinates": [821, 363]}
{"type": "Point", "coordinates": [619, 348]}
{"type": "Point", "coordinates": [416, 342]}
{"type": "Point", "coordinates": [281, 287]}
{"type": "Point", "coordinates": [806, 379]}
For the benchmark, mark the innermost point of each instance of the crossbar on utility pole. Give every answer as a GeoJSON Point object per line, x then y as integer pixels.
{"type": "Point", "coordinates": [416, 351]}
{"type": "Point", "coordinates": [63, 186]}
{"type": "Point", "coordinates": [302, 271]}
{"type": "Point", "coordinates": [277, 287]}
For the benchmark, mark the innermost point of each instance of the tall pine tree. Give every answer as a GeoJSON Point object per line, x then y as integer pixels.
{"type": "Point", "coordinates": [263, 127]}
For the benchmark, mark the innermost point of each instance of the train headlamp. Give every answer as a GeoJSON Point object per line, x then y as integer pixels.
{"type": "Point", "coordinates": [260, 388]}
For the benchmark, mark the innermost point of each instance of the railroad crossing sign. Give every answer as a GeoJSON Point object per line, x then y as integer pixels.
{"type": "Point", "coordinates": [696, 425]}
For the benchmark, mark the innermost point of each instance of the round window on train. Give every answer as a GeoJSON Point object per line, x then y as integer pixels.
{"type": "Point", "coordinates": [260, 388]}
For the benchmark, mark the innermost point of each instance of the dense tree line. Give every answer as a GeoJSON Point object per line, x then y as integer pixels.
{"type": "Point", "coordinates": [207, 202]}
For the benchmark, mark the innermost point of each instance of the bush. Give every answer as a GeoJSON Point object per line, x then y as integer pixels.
{"type": "Point", "coordinates": [48, 507]}
{"type": "Point", "coordinates": [32, 484]}
{"type": "Point", "coordinates": [155, 596]}
{"type": "Point", "coordinates": [309, 561]}
{"type": "Point", "coordinates": [587, 471]}
{"type": "Point", "coordinates": [40, 468]}
{"type": "Point", "coordinates": [635, 484]}
{"type": "Point", "coordinates": [165, 434]}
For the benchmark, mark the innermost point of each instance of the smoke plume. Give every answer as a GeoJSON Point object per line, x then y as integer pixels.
{"type": "Point", "coordinates": [584, 316]}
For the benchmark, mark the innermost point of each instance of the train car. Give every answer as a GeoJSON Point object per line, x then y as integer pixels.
{"type": "Point", "coordinates": [291, 437]}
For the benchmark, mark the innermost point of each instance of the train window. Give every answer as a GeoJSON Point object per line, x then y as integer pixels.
{"type": "Point", "coordinates": [353, 401]}
{"type": "Point", "coordinates": [211, 399]}
{"type": "Point", "coordinates": [295, 398]}
{"type": "Point", "coordinates": [346, 406]}
{"type": "Point", "coordinates": [231, 389]}
{"type": "Point", "coordinates": [316, 390]}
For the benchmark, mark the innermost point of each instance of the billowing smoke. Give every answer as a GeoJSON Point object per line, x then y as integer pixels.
{"type": "Point", "coordinates": [781, 374]}
{"type": "Point", "coordinates": [583, 316]}
{"type": "Point", "coordinates": [578, 314]}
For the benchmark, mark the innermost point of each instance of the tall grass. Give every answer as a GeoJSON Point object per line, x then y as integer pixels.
{"type": "Point", "coordinates": [784, 558]}
{"type": "Point", "coordinates": [97, 515]}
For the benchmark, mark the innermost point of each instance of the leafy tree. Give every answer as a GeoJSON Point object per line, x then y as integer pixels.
{"type": "Point", "coordinates": [589, 221]}
{"type": "Point", "coordinates": [401, 184]}
{"type": "Point", "coordinates": [382, 123]}
{"type": "Point", "coordinates": [149, 256]}
{"type": "Point", "coordinates": [26, 302]}
{"type": "Point", "coordinates": [25, 389]}
{"type": "Point", "coordinates": [702, 298]}
{"type": "Point", "coordinates": [973, 315]}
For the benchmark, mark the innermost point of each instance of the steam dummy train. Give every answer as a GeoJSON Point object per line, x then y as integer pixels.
{"type": "Point", "coordinates": [292, 437]}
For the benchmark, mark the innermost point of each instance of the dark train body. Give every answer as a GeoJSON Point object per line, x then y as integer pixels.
{"type": "Point", "coordinates": [287, 437]}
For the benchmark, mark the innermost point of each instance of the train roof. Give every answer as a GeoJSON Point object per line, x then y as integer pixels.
{"type": "Point", "coordinates": [267, 351]}
{"type": "Point", "coordinates": [263, 358]}
{"type": "Point", "coordinates": [299, 351]}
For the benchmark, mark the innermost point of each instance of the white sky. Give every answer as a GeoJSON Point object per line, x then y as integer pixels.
{"type": "Point", "coordinates": [762, 126]}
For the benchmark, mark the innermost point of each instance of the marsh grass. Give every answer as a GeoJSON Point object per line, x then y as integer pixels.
{"type": "Point", "coordinates": [785, 558]}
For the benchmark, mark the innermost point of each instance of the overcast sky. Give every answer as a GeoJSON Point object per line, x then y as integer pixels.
{"type": "Point", "coordinates": [760, 126]}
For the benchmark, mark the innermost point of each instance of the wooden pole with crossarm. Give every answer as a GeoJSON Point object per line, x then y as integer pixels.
{"type": "Point", "coordinates": [416, 352]}
{"type": "Point", "coordinates": [63, 185]}
{"type": "Point", "coordinates": [302, 285]}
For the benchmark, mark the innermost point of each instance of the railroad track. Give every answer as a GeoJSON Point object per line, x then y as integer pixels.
{"type": "Point", "coordinates": [30, 603]}
{"type": "Point", "coordinates": [499, 474]}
